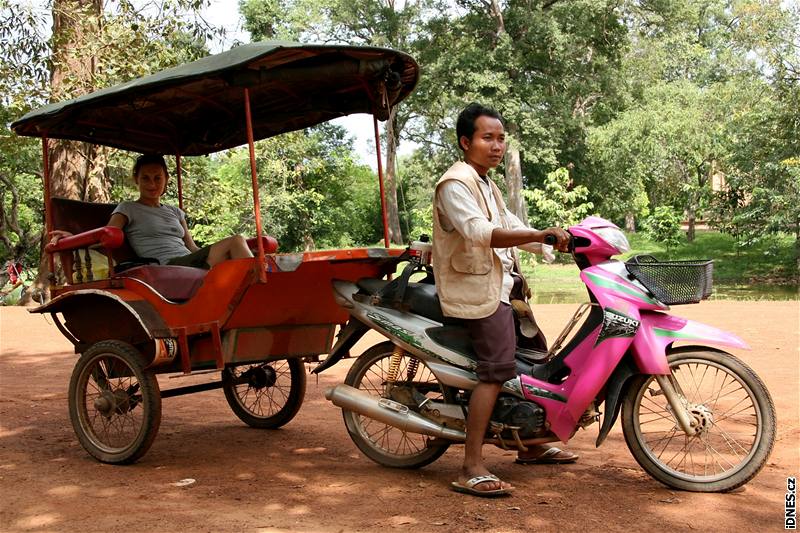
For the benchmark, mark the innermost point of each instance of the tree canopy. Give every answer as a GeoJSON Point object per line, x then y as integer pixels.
{"type": "Point", "coordinates": [628, 110]}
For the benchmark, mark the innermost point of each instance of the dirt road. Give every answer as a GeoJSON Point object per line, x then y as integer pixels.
{"type": "Point", "coordinates": [309, 477]}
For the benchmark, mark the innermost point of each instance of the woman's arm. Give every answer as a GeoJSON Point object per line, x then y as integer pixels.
{"type": "Point", "coordinates": [117, 220]}
{"type": "Point", "coordinates": [187, 237]}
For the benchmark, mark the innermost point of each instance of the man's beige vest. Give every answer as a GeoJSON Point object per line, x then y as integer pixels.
{"type": "Point", "coordinates": [468, 278]}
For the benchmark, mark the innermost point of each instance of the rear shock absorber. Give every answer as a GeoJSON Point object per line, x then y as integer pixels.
{"type": "Point", "coordinates": [411, 372]}
{"type": "Point", "coordinates": [394, 365]}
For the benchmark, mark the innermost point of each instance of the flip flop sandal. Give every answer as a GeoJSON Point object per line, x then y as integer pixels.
{"type": "Point", "coordinates": [469, 487]}
{"type": "Point", "coordinates": [549, 457]}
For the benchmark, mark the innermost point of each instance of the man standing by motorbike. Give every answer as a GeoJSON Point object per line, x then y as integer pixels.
{"type": "Point", "coordinates": [477, 269]}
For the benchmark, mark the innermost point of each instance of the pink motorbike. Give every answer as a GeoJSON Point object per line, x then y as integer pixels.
{"type": "Point", "coordinates": [694, 417]}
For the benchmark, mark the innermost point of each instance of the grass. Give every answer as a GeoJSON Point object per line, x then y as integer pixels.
{"type": "Point", "coordinates": [764, 271]}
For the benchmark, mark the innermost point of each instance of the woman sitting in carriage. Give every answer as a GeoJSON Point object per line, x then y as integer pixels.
{"type": "Point", "coordinates": [158, 231]}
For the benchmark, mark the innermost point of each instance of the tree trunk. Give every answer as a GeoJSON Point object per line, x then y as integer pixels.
{"type": "Point", "coordinates": [77, 169]}
{"type": "Point", "coordinates": [390, 179]}
{"type": "Point", "coordinates": [797, 247]}
{"type": "Point", "coordinates": [513, 166]}
{"type": "Point", "coordinates": [691, 218]}
{"type": "Point", "coordinates": [630, 223]}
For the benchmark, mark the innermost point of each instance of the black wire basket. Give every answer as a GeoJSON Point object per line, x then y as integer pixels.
{"type": "Point", "coordinates": [673, 282]}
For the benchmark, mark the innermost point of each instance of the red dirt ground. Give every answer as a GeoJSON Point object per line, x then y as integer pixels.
{"type": "Point", "coordinates": [309, 477]}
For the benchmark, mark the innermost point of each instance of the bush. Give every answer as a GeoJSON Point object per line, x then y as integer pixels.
{"type": "Point", "coordinates": [664, 226]}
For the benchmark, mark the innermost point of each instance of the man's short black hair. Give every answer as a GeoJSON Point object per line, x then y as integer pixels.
{"type": "Point", "coordinates": [465, 124]}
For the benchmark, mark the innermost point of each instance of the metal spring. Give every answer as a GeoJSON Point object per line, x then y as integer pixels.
{"type": "Point", "coordinates": [394, 364]}
{"type": "Point", "coordinates": [411, 373]}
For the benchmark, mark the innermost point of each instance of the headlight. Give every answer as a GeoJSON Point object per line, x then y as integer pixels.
{"type": "Point", "coordinates": [615, 238]}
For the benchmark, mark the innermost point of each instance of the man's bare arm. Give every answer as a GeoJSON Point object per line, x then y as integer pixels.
{"type": "Point", "coordinates": [506, 238]}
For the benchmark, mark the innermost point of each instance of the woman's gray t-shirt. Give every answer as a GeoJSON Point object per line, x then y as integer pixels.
{"type": "Point", "coordinates": [154, 231]}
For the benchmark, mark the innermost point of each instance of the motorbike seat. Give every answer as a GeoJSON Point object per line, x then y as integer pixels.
{"type": "Point", "coordinates": [419, 298]}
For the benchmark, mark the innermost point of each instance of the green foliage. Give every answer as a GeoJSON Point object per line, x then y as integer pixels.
{"type": "Point", "coordinates": [769, 262]}
{"type": "Point", "coordinates": [761, 271]}
{"type": "Point", "coordinates": [313, 194]}
{"type": "Point", "coordinates": [123, 42]}
{"type": "Point", "coordinates": [419, 173]}
{"type": "Point", "coordinates": [664, 226]}
{"type": "Point", "coordinates": [559, 203]}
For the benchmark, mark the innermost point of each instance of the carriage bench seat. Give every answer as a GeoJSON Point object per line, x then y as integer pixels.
{"type": "Point", "coordinates": [173, 282]}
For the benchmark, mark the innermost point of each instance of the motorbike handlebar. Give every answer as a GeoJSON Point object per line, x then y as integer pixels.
{"type": "Point", "coordinates": [551, 240]}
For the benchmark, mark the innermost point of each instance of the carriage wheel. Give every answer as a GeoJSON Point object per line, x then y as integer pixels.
{"type": "Point", "coordinates": [265, 395]}
{"type": "Point", "coordinates": [114, 404]}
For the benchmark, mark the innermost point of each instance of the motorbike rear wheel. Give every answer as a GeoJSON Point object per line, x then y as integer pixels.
{"type": "Point", "coordinates": [385, 444]}
{"type": "Point", "coordinates": [730, 404]}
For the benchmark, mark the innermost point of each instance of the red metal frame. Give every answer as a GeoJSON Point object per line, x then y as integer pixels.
{"type": "Point", "coordinates": [48, 221]}
{"type": "Point", "coordinates": [380, 181]}
{"type": "Point", "coordinates": [180, 180]}
{"type": "Point", "coordinates": [262, 261]}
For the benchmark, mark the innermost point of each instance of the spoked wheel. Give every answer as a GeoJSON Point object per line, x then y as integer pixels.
{"type": "Point", "coordinates": [385, 444]}
{"type": "Point", "coordinates": [114, 404]}
{"type": "Point", "coordinates": [265, 395]}
{"type": "Point", "coordinates": [729, 404]}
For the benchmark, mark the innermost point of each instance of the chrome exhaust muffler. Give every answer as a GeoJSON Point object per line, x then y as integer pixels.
{"type": "Point", "coordinates": [389, 412]}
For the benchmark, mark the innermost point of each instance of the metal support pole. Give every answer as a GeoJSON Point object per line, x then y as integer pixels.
{"type": "Point", "coordinates": [180, 180]}
{"type": "Point", "coordinates": [262, 260]}
{"type": "Point", "coordinates": [48, 216]}
{"type": "Point", "coordinates": [380, 181]}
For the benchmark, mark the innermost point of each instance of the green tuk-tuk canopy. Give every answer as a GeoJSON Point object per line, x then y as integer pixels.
{"type": "Point", "coordinates": [198, 108]}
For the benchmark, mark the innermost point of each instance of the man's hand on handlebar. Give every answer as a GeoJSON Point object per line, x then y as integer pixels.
{"type": "Point", "coordinates": [558, 238]}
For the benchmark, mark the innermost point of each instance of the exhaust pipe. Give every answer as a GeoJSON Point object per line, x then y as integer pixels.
{"type": "Point", "coordinates": [389, 412]}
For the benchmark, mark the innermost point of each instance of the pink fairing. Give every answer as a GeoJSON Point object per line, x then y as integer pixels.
{"type": "Point", "coordinates": [598, 250]}
{"type": "Point", "coordinates": [633, 323]}
{"type": "Point", "coordinates": [658, 330]}
{"type": "Point", "coordinates": [566, 402]}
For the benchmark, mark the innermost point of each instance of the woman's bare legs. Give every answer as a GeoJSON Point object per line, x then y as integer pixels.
{"type": "Point", "coordinates": [234, 247]}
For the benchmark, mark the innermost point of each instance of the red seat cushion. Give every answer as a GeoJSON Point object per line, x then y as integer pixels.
{"type": "Point", "coordinates": [175, 283]}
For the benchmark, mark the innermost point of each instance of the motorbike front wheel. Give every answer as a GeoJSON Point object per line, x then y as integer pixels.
{"type": "Point", "coordinates": [729, 403]}
{"type": "Point", "coordinates": [385, 444]}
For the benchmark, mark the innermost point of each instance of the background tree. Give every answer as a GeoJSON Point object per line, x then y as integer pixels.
{"type": "Point", "coordinates": [668, 144]}
{"type": "Point", "coordinates": [559, 202]}
{"type": "Point", "coordinates": [547, 66]}
{"type": "Point", "coordinates": [368, 22]}
{"type": "Point", "coordinates": [89, 48]}
{"type": "Point", "coordinates": [23, 84]}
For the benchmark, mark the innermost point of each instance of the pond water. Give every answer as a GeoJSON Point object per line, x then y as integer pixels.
{"type": "Point", "coordinates": [722, 291]}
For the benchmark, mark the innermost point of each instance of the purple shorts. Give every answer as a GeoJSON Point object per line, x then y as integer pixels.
{"type": "Point", "coordinates": [494, 341]}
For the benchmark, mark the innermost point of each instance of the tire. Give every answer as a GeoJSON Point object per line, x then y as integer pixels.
{"type": "Point", "coordinates": [114, 403]}
{"type": "Point", "coordinates": [735, 412]}
{"type": "Point", "coordinates": [265, 395]}
{"type": "Point", "coordinates": [384, 444]}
